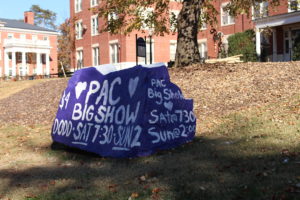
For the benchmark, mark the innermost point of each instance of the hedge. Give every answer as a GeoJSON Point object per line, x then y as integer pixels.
{"type": "Point", "coordinates": [243, 43]}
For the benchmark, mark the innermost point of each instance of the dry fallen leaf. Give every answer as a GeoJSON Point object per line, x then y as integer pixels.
{"type": "Point", "coordinates": [134, 195]}
{"type": "Point", "coordinates": [217, 89]}
{"type": "Point", "coordinates": [31, 196]}
{"type": "Point", "coordinates": [52, 182]}
{"type": "Point", "coordinates": [156, 190]}
{"type": "Point", "coordinates": [142, 178]}
{"type": "Point", "coordinates": [34, 105]}
{"type": "Point", "coordinates": [202, 188]}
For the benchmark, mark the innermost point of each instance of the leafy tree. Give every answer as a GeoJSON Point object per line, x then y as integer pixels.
{"type": "Point", "coordinates": [66, 44]}
{"type": "Point", "coordinates": [134, 15]}
{"type": "Point", "coordinates": [296, 49]}
{"type": "Point", "coordinates": [43, 17]}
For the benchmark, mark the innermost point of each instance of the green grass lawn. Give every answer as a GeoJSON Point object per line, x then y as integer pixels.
{"type": "Point", "coordinates": [252, 154]}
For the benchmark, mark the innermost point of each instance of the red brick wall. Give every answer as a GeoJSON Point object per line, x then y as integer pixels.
{"type": "Point", "coordinates": [242, 23]}
{"type": "Point", "coordinates": [161, 44]}
{"type": "Point", "coordinates": [281, 9]}
{"type": "Point", "coordinates": [29, 17]}
{"type": "Point", "coordinates": [127, 43]}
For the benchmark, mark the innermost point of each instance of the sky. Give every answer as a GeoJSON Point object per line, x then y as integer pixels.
{"type": "Point", "coordinates": [14, 9]}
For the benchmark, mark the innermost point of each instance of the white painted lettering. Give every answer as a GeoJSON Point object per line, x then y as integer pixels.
{"type": "Point", "coordinates": [111, 100]}
{"type": "Point", "coordinates": [120, 115]}
{"type": "Point", "coordinates": [101, 113]}
{"type": "Point", "coordinates": [77, 112]}
{"type": "Point", "coordinates": [131, 116]}
{"type": "Point", "coordinates": [110, 114]}
{"type": "Point", "coordinates": [151, 131]}
{"type": "Point", "coordinates": [135, 142]}
{"type": "Point", "coordinates": [94, 88]}
{"type": "Point", "coordinates": [79, 126]}
{"type": "Point", "coordinates": [153, 114]}
{"type": "Point", "coordinates": [103, 94]}
{"type": "Point", "coordinates": [90, 113]}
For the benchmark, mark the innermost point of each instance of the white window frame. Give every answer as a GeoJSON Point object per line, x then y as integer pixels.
{"type": "Point", "coordinates": [94, 25]}
{"type": "Point", "coordinates": [263, 10]}
{"type": "Point", "coordinates": [230, 19]}
{"type": "Point", "coordinates": [111, 16]}
{"type": "Point", "coordinates": [144, 13]}
{"type": "Point", "coordinates": [10, 36]}
{"type": "Point", "coordinates": [23, 37]}
{"type": "Point", "coordinates": [79, 56]}
{"type": "Point", "coordinates": [114, 51]}
{"type": "Point", "coordinates": [173, 27]}
{"type": "Point", "coordinates": [96, 54]}
{"type": "Point", "coordinates": [78, 29]}
{"type": "Point", "coordinates": [289, 5]}
{"type": "Point", "coordinates": [34, 37]}
{"type": "Point", "coordinates": [78, 5]}
{"type": "Point", "coordinates": [202, 45]}
{"type": "Point", "coordinates": [204, 24]}
{"type": "Point", "coordinates": [93, 3]}
{"type": "Point", "coordinates": [173, 43]}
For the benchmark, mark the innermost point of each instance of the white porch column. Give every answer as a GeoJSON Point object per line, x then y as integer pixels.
{"type": "Point", "coordinates": [14, 64]}
{"type": "Point", "coordinates": [258, 43]}
{"type": "Point", "coordinates": [274, 46]}
{"type": "Point", "coordinates": [47, 64]}
{"type": "Point", "coordinates": [24, 71]}
{"type": "Point", "coordinates": [6, 63]}
{"type": "Point", "coordinates": [38, 64]}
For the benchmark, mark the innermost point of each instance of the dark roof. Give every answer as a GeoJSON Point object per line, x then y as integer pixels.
{"type": "Point", "coordinates": [12, 23]}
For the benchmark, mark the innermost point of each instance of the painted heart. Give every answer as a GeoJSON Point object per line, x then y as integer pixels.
{"type": "Point", "coordinates": [133, 82]}
{"type": "Point", "coordinates": [169, 105]}
{"type": "Point", "coordinates": [80, 87]}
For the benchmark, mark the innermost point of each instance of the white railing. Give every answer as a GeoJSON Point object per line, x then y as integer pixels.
{"type": "Point", "coordinates": [14, 42]}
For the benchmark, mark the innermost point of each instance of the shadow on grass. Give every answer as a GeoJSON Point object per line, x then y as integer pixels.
{"type": "Point", "coordinates": [208, 168]}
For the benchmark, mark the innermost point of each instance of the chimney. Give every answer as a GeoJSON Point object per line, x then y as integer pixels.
{"type": "Point", "coordinates": [29, 17]}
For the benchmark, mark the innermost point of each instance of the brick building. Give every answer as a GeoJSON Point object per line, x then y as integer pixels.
{"type": "Point", "coordinates": [26, 49]}
{"type": "Point", "coordinates": [283, 25]}
{"type": "Point", "coordinates": [94, 48]}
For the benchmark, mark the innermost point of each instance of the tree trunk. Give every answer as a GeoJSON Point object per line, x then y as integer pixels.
{"type": "Point", "coordinates": [187, 51]}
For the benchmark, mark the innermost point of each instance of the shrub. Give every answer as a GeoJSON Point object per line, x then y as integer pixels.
{"type": "Point", "coordinates": [296, 49]}
{"type": "Point", "coordinates": [243, 43]}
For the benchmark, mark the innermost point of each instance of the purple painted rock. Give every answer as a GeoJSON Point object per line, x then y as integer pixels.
{"type": "Point", "coordinates": [123, 113]}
